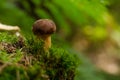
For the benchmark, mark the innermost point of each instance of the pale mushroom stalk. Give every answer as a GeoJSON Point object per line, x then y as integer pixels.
{"type": "Point", "coordinates": [43, 29]}
{"type": "Point", "coordinates": [9, 28]}
{"type": "Point", "coordinates": [46, 39]}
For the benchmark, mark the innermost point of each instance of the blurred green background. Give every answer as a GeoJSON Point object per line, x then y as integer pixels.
{"type": "Point", "coordinates": [90, 28]}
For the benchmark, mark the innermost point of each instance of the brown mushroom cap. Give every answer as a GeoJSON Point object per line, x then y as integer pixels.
{"type": "Point", "coordinates": [44, 26]}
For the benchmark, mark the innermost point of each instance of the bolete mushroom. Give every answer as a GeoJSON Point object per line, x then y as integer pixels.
{"type": "Point", "coordinates": [43, 28]}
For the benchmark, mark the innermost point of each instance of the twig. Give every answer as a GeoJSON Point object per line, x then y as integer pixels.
{"type": "Point", "coordinates": [9, 28]}
{"type": "Point", "coordinates": [17, 75]}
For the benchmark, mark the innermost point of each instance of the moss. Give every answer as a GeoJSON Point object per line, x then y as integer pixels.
{"type": "Point", "coordinates": [29, 60]}
{"type": "Point", "coordinates": [8, 37]}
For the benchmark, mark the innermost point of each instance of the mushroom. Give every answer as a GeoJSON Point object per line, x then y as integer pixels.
{"type": "Point", "coordinates": [43, 28]}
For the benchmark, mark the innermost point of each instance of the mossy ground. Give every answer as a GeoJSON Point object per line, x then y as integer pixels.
{"type": "Point", "coordinates": [25, 59]}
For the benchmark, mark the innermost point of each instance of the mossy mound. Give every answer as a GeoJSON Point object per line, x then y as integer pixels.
{"type": "Point", "coordinates": [25, 59]}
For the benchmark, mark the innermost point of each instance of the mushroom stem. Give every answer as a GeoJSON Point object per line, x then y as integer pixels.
{"type": "Point", "coordinates": [47, 44]}
{"type": "Point", "coordinates": [47, 41]}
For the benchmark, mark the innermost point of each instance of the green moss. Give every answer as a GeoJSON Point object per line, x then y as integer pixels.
{"type": "Point", "coordinates": [8, 37]}
{"type": "Point", "coordinates": [29, 61]}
